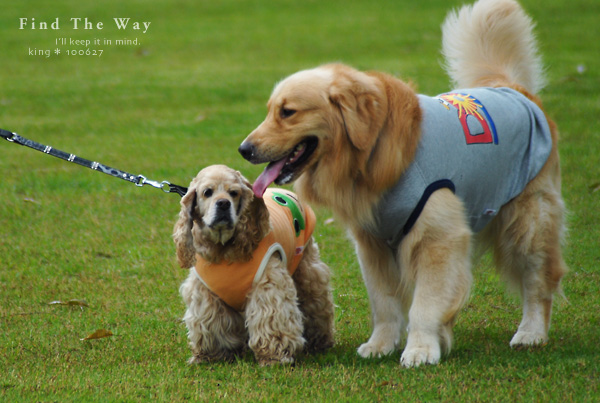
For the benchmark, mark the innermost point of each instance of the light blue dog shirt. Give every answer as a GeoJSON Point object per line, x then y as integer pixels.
{"type": "Point", "coordinates": [484, 144]}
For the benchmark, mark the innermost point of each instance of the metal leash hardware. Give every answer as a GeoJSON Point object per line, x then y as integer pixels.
{"type": "Point", "coordinates": [138, 180]}
{"type": "Point", "coordinates": [165, 186]}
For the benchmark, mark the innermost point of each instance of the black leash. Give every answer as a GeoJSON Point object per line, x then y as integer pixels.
{"type": "Point", "coordinates": [138, 180]}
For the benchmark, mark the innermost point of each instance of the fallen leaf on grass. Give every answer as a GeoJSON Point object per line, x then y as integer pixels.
{"type": "Point", "coordinates": [595, 187]}
{"type": "Point", "coordinates": [30, 200]}
{"type": "Point", "coordinates": [71, 302]}
{"type": "Point", "coordinates": [98, 334]}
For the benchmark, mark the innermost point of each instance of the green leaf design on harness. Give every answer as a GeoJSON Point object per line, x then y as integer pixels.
{"type": "Point", "coordinates": [287, 201]}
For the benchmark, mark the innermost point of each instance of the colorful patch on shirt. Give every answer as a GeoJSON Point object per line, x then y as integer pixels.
{"type": "Point", "coordinates": [288, 201]}
{"type": "Point", "coordinates": [477, 124]}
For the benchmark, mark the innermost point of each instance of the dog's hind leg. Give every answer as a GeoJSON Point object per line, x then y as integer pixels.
{"type": "Point", "coordinates": [528, 253]}
{"type": "Point", "coordinates": [215, 331]}
{"type": "Point", "coordinates": [273, 318]}
{"type": "Point", "coordinates": [315, 299]}
{"type": "Point", "coordinates": [382, 278]}
{"type": "Point", "coordinates": [435, 258]}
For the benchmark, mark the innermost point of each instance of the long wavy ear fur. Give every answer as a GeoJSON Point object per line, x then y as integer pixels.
{"type": "Point", "coordinates": [182, 233]}
{"type": "Point", "coordinates": [258, 212]}
{"type": "Point", "coordinates": [253, 225]}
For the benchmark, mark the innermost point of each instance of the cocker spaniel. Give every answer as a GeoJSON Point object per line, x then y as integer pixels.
{"type": "Point", "coordinates": [256, 278]}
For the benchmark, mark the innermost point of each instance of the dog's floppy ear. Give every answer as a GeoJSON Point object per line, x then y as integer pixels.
{"type": "Point", "coordinates": [362, 105]}
{"type": "Point", "coordinates": [256, 211]}
{"type": "Point", "coordinates": [259, 211]}
{"type": "Point", "coordinates": [247, 194]}
{"type": "Point", "coordinates": [182, 233]}
{"type": "Point", "coordinates": [253, 223]}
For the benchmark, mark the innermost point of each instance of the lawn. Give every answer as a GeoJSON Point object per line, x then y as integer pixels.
{"type": "Point", "coordinates": [184, 97]}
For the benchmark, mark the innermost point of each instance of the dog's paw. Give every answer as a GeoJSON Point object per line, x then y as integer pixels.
{"type": "Point", "coordinates": [418, 355]}
{"type": "Point", "coordinates": [196, 359]}
{"type": "Point", "coordinates": [267, 362]}
{"type": "Point", "coordinates": [523, 339]}
{"type": "Point", "coordinates": [319, 345]}
{"type": "Point", "coordinates": [227, 356]}
{"type": "Point", "coordinates": [379, 349]}
{"type": "Point", "coordinates": [384, 341]}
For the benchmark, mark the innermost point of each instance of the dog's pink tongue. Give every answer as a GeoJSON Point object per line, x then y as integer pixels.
{"type": "Point", "coordinates": [269, 175]}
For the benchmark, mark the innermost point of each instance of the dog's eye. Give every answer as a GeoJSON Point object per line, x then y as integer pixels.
{"type": "Point", "coordinates": [233, 193]}
{"type": "Point", "coordinates": [207, 193]}
{"type": "Point", "coordinates": [286, 113]}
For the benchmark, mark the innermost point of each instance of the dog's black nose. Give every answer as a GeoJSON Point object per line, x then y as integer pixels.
{"type": "Point", "coordinates": [223, 204]}
{"type": "Point", "coordinates": [247, 150]}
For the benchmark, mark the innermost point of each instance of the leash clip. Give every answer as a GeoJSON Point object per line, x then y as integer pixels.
{"type": "Point", "coordinates": [142, 180]}
{"type": "Point", "coordinates": [164, 185]}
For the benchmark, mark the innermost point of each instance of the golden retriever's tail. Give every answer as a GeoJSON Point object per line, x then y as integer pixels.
{"type": "Point", "coordinates": [491, 43]}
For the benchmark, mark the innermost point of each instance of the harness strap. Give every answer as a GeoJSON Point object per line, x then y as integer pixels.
{"type": "Point", "coordinates": [138, 180]}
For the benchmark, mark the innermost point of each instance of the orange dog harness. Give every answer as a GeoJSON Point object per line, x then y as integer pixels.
{"type": "Point", "coordinates": [292, 225]}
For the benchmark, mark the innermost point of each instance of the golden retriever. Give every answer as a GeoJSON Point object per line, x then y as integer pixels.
{"type": "Point", "coordinates": [238, 296]}
{"type": "Point", "coordinates": [350, 138]}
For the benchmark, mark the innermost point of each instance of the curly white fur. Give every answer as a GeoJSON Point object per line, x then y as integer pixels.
{"type": "Point", "coordinates": [283, 314]}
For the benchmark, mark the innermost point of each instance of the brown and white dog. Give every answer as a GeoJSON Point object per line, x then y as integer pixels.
{"type": "Point", "coordinates": [239, 292]}
{"type": "Point", "coordinates": [348, 138]}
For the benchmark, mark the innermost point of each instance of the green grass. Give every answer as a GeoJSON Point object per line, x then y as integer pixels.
{"type": "Point", "coordinates": [185, 98]}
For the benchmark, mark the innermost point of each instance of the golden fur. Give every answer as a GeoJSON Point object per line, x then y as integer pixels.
{"type": "Point", "coordinates": [366, 126]}
{"type": "Point", "coordinates": [283, 313]}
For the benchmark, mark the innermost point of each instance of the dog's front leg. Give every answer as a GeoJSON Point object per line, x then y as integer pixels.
{"type": "Point", "coordinates": [435, 256]}
{"type": "Point", "coordinates": [382, 278]}
{"type": "Point", "coordinates": [215, 331]}
{"type": "Point", "coordinates": [273, 318]}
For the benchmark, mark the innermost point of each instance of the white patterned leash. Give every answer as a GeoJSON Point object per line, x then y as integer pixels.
{"type": "Point", "coordinates": [138, 180]}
